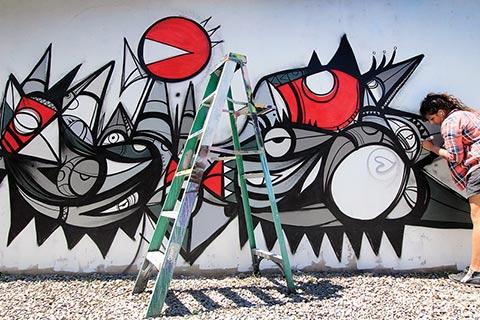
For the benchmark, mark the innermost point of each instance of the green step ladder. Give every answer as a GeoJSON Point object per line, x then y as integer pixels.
{"type": "Point", "coordinates": [180, 200]}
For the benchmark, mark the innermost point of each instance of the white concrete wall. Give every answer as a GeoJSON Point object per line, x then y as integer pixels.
{"type": "Point", "coordinates": [275, 36]}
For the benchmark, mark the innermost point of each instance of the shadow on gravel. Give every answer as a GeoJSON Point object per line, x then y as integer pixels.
{"type": "Point", "coordinates": [313, 288]}
{"type": "Point", "coordinates": [90, 277]}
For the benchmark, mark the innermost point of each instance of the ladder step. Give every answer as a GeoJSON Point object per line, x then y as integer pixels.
{"type": "Point", "coordinates": [208, 99]}
{"type": "Point", "coordinates": [251, 175]}
{"type": "Point", "coordinates": [183, 172]}
{"type": "Point", "coordinates": [170, 214]}
{"type": "Point", "coordinates": [243, 103]}
{"type": "Point", "coordinates": [236, 152]}
{"type": "Point", "coordinates": [264, 108]}
{"type": "Point", "coordinates": [261, 109]}
{"type": "Point", "coordinates": [155, 258]}
{"type": "Point", "coordinates": [245, 110]}
{"type": "Point", "coordinates": [196, 134]}
{"type": "Point", "coordinates": [222, 158]}
{"type": "Point", "coordinates": [268, 255]}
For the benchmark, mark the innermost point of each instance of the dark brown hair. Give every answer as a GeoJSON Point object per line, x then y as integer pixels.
{"type": "Point", "coordinates": [434, 102]}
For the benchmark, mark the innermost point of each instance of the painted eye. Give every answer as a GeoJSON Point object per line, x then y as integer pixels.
{"type": "Point", "coordinates": [320, 83]}
{"type": "Point", "coordinates": [128, 202]}
{"type": "Point", "coordinates": [376, 88]}
{"type": "Point", "coordinates": [114, 137]}
{"type": "Point", "coordinates": [26, 121]}
{"type": "Point", "coordinates": [278, 142]}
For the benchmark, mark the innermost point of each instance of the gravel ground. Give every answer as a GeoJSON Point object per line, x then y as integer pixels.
{"type": "Point", "coordinates": [346, 295]}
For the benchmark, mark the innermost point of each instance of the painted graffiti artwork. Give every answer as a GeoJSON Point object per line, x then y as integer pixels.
{"type": "Point", "coordinates": [335, 142]}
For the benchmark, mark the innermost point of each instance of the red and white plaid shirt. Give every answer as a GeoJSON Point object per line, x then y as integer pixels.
{"type": "Point", "coordinates": [461, 136]}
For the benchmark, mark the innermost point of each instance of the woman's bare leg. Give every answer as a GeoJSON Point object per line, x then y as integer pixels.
{"type": "Point", "coordinates": [475, 214]}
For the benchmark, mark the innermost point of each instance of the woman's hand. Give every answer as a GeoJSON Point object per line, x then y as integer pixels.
{"type": "Point", "coordinates": [428, 145]}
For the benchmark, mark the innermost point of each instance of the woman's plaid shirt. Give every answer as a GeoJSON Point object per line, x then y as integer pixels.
{"type": "Point", "coordinates": [461, 135]}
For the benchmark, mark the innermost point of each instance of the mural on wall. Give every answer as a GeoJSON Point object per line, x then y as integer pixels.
{"type": "Point", "coordinates": [343, 160]}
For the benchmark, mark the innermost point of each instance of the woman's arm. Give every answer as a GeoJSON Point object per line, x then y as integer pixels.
{"type": "Point", "coordinates": [428, 145]}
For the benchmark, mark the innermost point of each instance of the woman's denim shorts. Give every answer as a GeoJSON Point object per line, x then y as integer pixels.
{"type": "Point", "coordinates": [473, 183]}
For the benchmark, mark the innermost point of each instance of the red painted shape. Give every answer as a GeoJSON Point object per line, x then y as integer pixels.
{"type": "Point", "coordinates": [331, 111]}
{"type": "Point", "coordinates": [185, 35]}
{"type": "Point", "coordinates": [29, 119]}
{"type": "Point", "coordinates": [172, 166]}
{"type": "Point", "coordinates": [214, 179]}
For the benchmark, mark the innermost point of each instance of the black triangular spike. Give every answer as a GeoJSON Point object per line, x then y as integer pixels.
{"type": "Point", "coordinates": [335, 235]}
{"type": "Point", "coordinates": [103, 238]}
{"type": "Point", "coordinates": [395, 236]}
{"type": "Point", "coordinates": [3, 173]}
{"type": "Point", "coordinates": [294, 236]}
{"type": "Point", "coordinates": [383, 62]}
{"type": "Point", "coordinates": [21, 213]}
{"type": "Point", "coordinates": [269, 234]}
{"type": "Point", "coordinates": [50, 172]}
{"type": "Point", "coordinates": [315, 238]}
{"type": "Point", "coordinates": [12, 91]}
{"type": "Point", "coordinates": [374, 65]}
{"type": "Point", "coordinates": [56, 93]}
{"type": "Point", "coordinates": [355, 238]}
{"type": "Point", "coordinates": [191, 256]}
{"type": "Point", "coordinates": [374, 236]}
{"type": "Point", "coordinates": [344, 59]}
{"type": "Point", "coordinates": [314, 63]}
{"type": "Point", "coordinates": [393, 56]}
{"type": "Point", "coordinates": [130, 224]}
{"type": "Point", "coordinates": [44, 227]}
{"type": "Point", "coordinates": [73, 235]}
{"type": "Point", "coordinates": [242, 227]}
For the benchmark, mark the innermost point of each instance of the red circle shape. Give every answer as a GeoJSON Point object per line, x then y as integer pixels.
{"type": "Point", "coordinates": [188, 37]}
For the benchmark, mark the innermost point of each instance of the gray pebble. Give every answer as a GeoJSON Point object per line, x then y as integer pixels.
{"type": "Point", "coordinates": [342, 295]}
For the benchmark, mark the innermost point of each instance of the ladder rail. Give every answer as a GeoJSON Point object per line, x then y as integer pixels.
{"type": "Point", "coordinates": [242, 181]}
{"type": "Point", "coordinates": [178, 206]}
{"type": "Point", "coordinates": [268, 180]}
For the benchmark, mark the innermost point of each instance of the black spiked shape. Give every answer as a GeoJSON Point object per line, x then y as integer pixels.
{"type": "Point", "coordinates": [21, 212]}
{"type": "Point", "coordinates": [355, 238]}
{"type": "Point", "coordinates": [56, 93]}
{"type": "Point", "coordinates": [374, 236]}
{"type": "Point", "coordinates": [44, 227]}
{"type": "Point", "coordinates": [130, 224]}
{"type": "Point", "coordinates": [73, 235]}
{"type": "Point", "coordinates": [395, 236]}
{"type": "Point", "coordinates": [315, 237]}
{"type": "Point", "coordinates": [344, 59]}
{"type": "Point", "coordinates": [269, 233]}
{"type": "Point", "coordinates": [103, 238]}
{"type": "Point", "coordinates": [294, 235]}
{"type": "Point", "coordinates": [335, 235]}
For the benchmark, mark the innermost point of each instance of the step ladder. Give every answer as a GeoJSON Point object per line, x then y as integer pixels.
{"type": "Point", "coordinates": [180, 200]}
